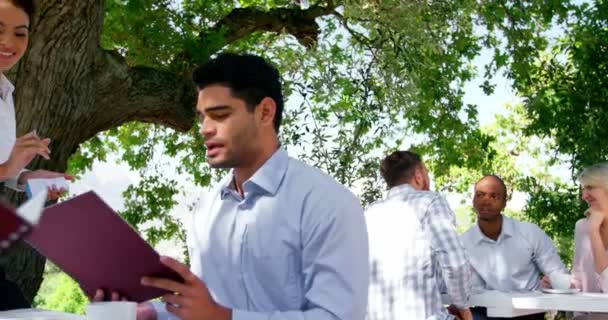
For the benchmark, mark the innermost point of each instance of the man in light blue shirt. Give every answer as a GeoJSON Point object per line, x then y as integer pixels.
{"type": "Point", "coordinates": [506, 254]}
{"type": "Point", "coordinates": [276, 238]}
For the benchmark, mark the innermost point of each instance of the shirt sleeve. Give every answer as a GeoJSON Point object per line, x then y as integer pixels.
{"type": "Point", "coordinates": [13, 182]}
{"type": "Point", "coordinates": [449, 252]}
{"type": "Point", "coordinates": [545, 255]}
{"type": "Point", "coordinates": [335, 265]}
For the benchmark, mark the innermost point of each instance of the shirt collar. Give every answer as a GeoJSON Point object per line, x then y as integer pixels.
{"type": "Point", "coordinates": [506, 231]}
{"type": "Point", "coordinates": [398, 190]}
{"type": "Point", "coordinates": [268, 177]}
{"type": "Point", "coordinates": [6, 87]}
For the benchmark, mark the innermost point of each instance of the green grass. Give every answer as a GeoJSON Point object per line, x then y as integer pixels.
{"type": "Point", "coordinates": [60, 293]}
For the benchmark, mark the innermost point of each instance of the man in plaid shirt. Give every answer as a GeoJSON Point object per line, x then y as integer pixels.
{"type": "Point", "coordinates": [413, 244]}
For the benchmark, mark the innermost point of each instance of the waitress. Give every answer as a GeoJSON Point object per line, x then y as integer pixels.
{"type": "Point", "coordinates": [16, 153]}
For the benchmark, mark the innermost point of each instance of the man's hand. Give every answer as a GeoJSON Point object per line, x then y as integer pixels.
{"type": "Point", "coordinates": [461, 314]}
{"type": "Point", "coordinates": [465, 314]}
{"type": "Point", "coordinates": [100, 296]}
{"type": "Point", "coordinates": [145, 310]}
{"type": "Point", "coordinates": [189, 300]}
{"type": "Point", "coordinates": [53, 193]}
{"type": "Point", "coordinates": [545, 283]}
{"type": "Point", "coordinates": [23, 152]}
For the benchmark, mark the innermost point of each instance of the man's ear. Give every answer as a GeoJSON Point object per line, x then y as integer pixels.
{"type": "Point", "coordinates": [419, 175]}
{"type": "Point", "coordinates": [418, 178]}
{"type": "Point", "coordinates": [266, 110]}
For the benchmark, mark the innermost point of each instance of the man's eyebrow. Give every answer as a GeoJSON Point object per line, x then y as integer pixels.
{"type": "Point", "coordinates": [216, 108]}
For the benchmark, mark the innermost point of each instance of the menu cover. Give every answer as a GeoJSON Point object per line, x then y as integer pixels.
{"type": "Point", "coordinates": [89, 241]}
{"type": "Point", "coordinates": [15, 224]}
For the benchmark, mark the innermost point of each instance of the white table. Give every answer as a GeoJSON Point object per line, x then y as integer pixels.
{"type": "Point", "coordinates": [500, 304]}
{"type": "Point", "coordinates": [582, 302]}
{"type": "Point", "coordinates": [36, 314]}
{"type": "Point", "coordinates": [509, 305]}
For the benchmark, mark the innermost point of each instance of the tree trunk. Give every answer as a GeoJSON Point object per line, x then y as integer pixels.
{"type": "Point", "coordinates": [69, 89]}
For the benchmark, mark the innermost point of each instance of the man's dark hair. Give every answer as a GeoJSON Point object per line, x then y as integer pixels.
{"type": "Point", "coordinates": [28, 6]}
{"type": "Point", "coordinates": [249, 77]}
{"type": "Point", "coordinates": [499, 179]}
{"type": "Point", "coordinates": [399, 167]}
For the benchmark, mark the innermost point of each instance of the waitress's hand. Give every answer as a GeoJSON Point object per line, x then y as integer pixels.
{"type": "Point", "coordinates": [25, 149]}
{"type": "Point", "coordinates": [53, 192]}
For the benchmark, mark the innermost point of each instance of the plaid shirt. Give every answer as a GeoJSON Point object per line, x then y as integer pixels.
{"type": "Point", "coordinates": [413, 242]}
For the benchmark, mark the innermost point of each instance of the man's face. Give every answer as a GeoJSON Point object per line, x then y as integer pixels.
{"type": "Point", "coordinates": [489, 199]}
{"type": "Point", "coordinates": [229, 129]}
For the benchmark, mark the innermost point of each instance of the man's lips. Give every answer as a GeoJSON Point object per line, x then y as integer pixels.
{"type": "Point", "coordinates": [213, 148]}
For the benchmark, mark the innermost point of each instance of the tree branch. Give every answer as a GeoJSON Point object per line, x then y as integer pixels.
{"type": "Point", "coordinates": [150, 95]}
{"type": "Point", "coordinates": [241, 22]}
{"type": "Point", "coordinates": [357, 35]}
{"type": "Point", "coordinates": [143, 94]}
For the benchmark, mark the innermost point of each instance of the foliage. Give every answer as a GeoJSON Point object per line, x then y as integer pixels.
{"type": "Point", "coordinates": [355, 94]}
{"type": "Point", "coordinates": [565, 100]}
{"type": "Point", "coordinates": [384, 75]}
{"type": "Point", "coordinates": [59, 292]}
{"type": "Point", "coordinates": [569, 92]}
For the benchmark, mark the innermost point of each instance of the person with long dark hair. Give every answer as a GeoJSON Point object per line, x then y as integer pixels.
{"type": "Point", "coordinates": [16, 153]}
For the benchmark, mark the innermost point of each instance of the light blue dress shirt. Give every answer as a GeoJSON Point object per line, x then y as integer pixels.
{"type": "Point", "coordinates": [294, 247]}
{"type": "Point", "coordinates": [515, 260]}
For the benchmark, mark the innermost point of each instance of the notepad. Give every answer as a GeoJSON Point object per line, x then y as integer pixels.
{"type": "Point", "coordinates": [35, 186]}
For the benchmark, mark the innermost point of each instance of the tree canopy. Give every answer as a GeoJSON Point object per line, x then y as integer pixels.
{"type": "Point", "coordinates": [362, 77]}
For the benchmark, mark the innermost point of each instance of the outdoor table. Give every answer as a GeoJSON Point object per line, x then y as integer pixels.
{"type": "Point", "coordinates": [515, 304]}
{"type": "Point", "coordinates": [37, 314]}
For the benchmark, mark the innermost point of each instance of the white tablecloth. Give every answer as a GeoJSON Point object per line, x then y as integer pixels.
{"type": "Point", "coordinates": [509, 305]}
{"type": "Point", "coordinates": [35, 314]}
{"type": "Point", "coordinates": [582, 302]}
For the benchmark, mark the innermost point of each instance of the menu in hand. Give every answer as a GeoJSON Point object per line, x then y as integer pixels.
{"type": "Point", "coordinates": [89, 241]}
{"type": "Point", "coordinates": [15, 224]}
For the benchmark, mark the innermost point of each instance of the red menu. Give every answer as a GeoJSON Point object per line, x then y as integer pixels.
{"type": "Point", "coordinates": [89, 241]}
{"type": "Point", "coordinates": [15, 224]}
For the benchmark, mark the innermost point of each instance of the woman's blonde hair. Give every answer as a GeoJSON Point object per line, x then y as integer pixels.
{"type": "Point", "coordinates": [595, 175]}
